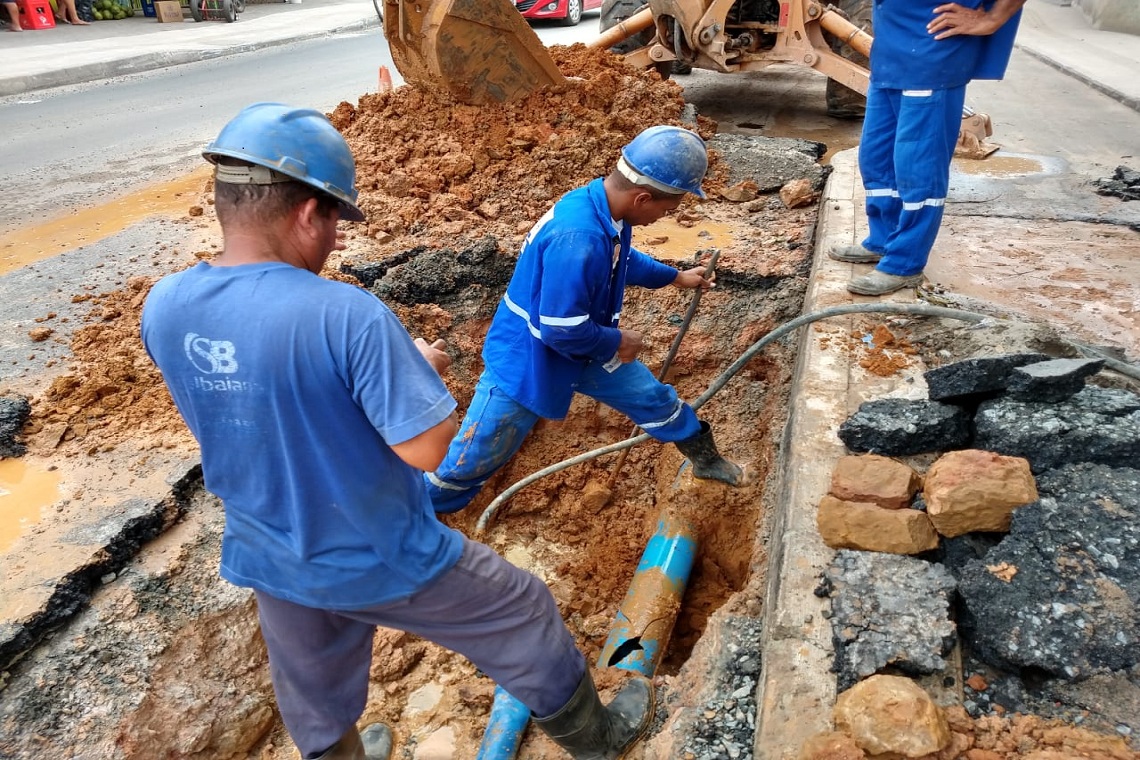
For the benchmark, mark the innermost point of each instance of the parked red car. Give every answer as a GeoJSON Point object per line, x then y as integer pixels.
{"type": "Point", "coordinates": [568, 12]}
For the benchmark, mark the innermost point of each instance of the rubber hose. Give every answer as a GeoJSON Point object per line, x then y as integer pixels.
{"type": "Point", "coordinates": [918, 309]}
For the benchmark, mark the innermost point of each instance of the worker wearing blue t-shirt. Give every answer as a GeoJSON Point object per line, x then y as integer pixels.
{"type": "Point", "coordinates": [556, 332]}
{"type": "Point", "coordinates": [924, 54]}
{"type": "Point", "coordinates": [316, 414]}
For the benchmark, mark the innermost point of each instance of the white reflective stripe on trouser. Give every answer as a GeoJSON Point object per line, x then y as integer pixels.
{"type": "Point", "coordinates": [915, 206]}
{"type": "Point", "coordinates": [883, 192]}
{"type": "Point", "coordinates": [676, 413]}
{"type": "Point", "coordinates": [450, 486]}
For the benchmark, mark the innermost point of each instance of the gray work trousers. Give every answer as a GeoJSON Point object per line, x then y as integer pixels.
{"type": "Point", "coordinates": [503, 619]}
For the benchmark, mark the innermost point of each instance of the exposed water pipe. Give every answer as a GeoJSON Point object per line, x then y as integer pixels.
{"type": "Point", "coordinates": [639, 635]}
{"type": "Point", "coordinates": [505, 727]}
{"type": "Point", "coordinates": [644, 622]}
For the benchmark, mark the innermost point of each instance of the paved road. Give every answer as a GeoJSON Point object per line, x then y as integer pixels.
{"type": "Point", "coordinates": [84, 145]}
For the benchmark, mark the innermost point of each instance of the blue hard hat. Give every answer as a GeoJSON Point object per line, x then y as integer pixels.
{"type": "Point", "coordinates": [668, 159]}
{"type": "Point", "coordinates": [299, 143]}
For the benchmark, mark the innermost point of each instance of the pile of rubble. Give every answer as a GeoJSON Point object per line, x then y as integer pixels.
{"type": "Point", "coordinates": [1023, 533]}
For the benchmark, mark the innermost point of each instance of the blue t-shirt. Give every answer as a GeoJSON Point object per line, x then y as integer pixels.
{"type": "Point", "coordinates": [904, 56]}
{"type": "Point", "coordinates": [296, 387]}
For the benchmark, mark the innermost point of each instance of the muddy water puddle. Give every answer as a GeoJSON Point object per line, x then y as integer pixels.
{"type": "Point", "coordinates": [25, 490]}
{"type": "Point", "coordinates": [21, 247]}
{"type": "Point", "coordinates": [673, 241]}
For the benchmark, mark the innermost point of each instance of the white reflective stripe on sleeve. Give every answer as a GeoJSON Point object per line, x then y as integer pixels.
{"type": "Point", "coordinates": [676, 413]}
{"type": "Point", "coordinates": [883, 192]}
{"type": "Point", "coordinates": [448, 486]}
{"type": "Point", "coordinates": [928, 202]}
{"type": "Point", "coordinates": [516, 309]}
{"type": "Point", "coordinates": [564, 321]}
{"type": "Point", "coordinates": [917, 93]}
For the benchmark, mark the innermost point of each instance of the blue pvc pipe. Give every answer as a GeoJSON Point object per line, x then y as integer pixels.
{"type": "Point", "coordinates": [645, 619]}
{"type": "Point", "coordinates": [505, 727]}
{"type": "Point", "coordinates": [644, 623]}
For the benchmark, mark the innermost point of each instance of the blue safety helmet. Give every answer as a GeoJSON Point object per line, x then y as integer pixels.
{"type": "Point", "coordinates": [668, 159]}
{"type": "Point", "coordinates": [295, 144]}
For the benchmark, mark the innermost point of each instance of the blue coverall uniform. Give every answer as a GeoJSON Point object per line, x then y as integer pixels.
{"type": "Point", "coordinates": [556, 333]}
{"type": "Point", "coordinates": [914, 111]}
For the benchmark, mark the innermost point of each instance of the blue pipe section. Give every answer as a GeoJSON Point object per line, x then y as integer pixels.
{"type": "Point", "coordinates": [639, 635]}
{"type": "Point", "coordinates": [505, 727]}
{"type": "Point", "coordinates": [644, 623]}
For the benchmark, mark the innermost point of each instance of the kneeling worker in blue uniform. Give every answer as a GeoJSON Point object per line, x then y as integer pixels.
{"type": "Point", "coordinates": [924, 55]}
{"type": "Point", "coordinates": [556, 330]}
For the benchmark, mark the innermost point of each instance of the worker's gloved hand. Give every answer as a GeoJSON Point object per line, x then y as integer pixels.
{"type": "Point", "coordinates": [435, 354]}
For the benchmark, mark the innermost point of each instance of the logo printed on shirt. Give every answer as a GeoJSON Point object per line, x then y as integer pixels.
{"type": "Point", "coordinates": [212, 357]}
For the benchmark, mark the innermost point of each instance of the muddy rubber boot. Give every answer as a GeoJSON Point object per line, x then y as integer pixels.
{"type": "Point", "coordinates": [590, 731]}
{"type": "Point", "coordinates": [374, 744]}
{"type": "Point", "coordinates": [708, 464]}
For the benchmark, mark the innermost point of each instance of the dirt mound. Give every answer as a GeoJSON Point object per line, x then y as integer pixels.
{"type": "Point", "coordinates": [429, 165]}
{"type": "Point", "coordinates": [112, 392]}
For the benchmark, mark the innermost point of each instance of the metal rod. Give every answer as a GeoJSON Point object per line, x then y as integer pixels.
{"type": "Point", "coordinates": [669, 357]}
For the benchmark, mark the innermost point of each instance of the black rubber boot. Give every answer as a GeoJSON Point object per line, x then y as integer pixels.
{"type": "Point", "coordinates": [589, 731]}
{"type": "Point", "coordinates": [374, 744]}
{"type": "Point", "coordinates": [708, 464]}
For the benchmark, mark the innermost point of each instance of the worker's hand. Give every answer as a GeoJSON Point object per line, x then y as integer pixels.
{"type": "Point", "coordinates": [435, 354]}
{"type": "Point", "coordinates": [630, 346]}
{"type": "Point", "coordinates": [952, 19]}
{"type": "Point", "coordinates": [340, 244]}
{"type": "Point", "coordinates": [694, 278]}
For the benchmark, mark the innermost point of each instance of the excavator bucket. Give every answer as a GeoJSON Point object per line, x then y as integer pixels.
{"type": "Point", "coordinates": [479, 51]}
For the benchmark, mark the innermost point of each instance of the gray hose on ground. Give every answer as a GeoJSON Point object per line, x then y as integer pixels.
{"type": "Point", "coordinates": [917, 309]}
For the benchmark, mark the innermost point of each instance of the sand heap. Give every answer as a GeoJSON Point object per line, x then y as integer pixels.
{"type": "Point", "coordinates": [427, 165]}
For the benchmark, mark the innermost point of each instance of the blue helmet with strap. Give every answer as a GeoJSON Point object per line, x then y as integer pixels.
{"type": "Point", "coordinates": [668, 159]}
{"type": "Point", "coordinates": [290, 144]}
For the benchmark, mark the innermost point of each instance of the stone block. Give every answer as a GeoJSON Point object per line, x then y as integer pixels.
{"type": "Point", "coordinates": [972, 490]}
{"type": "Point", "coordinates": [851, 525]}
{"type": "Point", "coordinates": [975, 379]}
{"type": "Point", "coordinates": [873, 479]}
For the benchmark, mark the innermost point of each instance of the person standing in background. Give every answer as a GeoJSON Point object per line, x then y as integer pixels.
{"type": "Point", "coordinates": [924, 54]}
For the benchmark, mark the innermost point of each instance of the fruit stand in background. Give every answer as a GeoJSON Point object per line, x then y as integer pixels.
{"type": "Point", "coordinates": [111, 10]}
{"type": "Point", "coordinates": [216, 10]}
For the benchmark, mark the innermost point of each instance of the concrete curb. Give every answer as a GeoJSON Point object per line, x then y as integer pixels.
{"type": "Point", "coordinates": [134, 64]}
{"type": "Point", "coordinates": [797, 689]}
{"type": "Point", "coordinates": [1086, 79]}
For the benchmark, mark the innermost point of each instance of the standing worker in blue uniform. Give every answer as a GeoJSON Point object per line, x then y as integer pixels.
{"type": "Point", "coordinates": [316, 414]}
{"type": "Point", "coordinates": [556, 330]}
{"type": "Point", "coordinates": [924, 54]}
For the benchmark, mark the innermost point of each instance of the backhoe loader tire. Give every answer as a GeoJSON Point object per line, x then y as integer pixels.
{"type": "Point", "coordinates": [616, 11]}
{"type": "Point", "coordinates": [843, 102]}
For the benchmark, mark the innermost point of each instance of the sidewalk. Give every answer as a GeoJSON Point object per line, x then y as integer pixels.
{"type": "Point", "coordinates": [1060, 36]}
{"type": "Point", "coordinates": [36, 60]}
